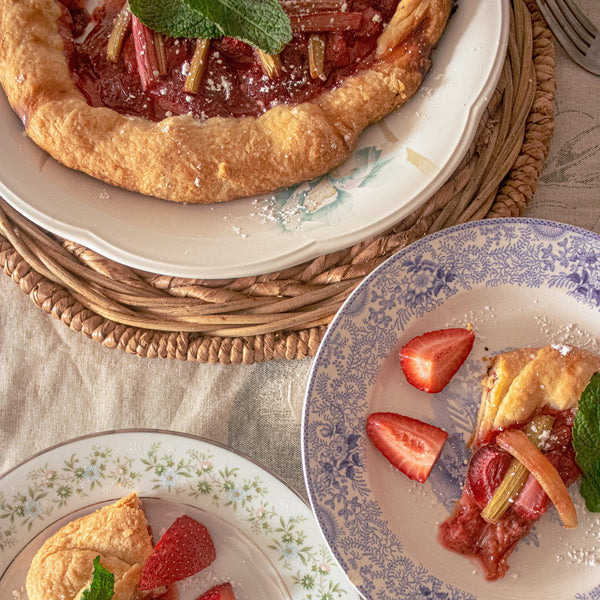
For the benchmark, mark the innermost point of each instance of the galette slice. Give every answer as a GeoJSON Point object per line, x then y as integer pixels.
{"type": "Point", "coordinates": [527, 391]}
{"type": "Point", "coordinates": [117, 533]}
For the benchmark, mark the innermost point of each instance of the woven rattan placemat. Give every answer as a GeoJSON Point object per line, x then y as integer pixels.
{"type": "Point", "coordinates": [285, 314]}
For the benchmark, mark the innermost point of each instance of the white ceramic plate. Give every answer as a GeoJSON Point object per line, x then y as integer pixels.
{"type": "Point", "coordinates": [267, 541]}
{"type": "Point", "coordinates": [374, 190]}
{"type": "Point", "coordinates": [520, 282]}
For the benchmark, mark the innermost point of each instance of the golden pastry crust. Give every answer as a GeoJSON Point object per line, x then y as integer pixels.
{"type": "Point", "coordinates": [525, 380]}
{"type": "Point", "coordinates": [118, 533]}
{"type": "Point", "coordinates": [184, 159]}
{"type": "Point", "coordinates": [503, 369]}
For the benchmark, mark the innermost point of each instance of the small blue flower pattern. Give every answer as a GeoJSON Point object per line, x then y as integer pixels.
{"type": "Point", "coordinates": [325, 198]}
{"type": "Point", "coordinates": [523, 252]}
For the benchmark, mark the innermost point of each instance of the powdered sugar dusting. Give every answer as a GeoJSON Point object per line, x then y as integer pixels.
{"type": "Point", "coordinates": [586, 552]}
{"type": "Point", "coordinates": [479, 319]}
{"type": "Point", "coordinates": [270, 212]}
{"type": "Point", "coordinates": [563, 349]}
{"type": "Point", "coordinates": [563, 336]}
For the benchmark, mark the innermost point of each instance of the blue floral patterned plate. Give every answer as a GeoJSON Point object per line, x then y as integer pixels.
{"type": "Point", "coordinates": [519, 282]}
{"type": "Point", "coordinates": [268, 543]}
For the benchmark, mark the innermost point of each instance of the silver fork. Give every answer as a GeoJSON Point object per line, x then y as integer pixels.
{"type": "Point", "coordinates": [574, 31]}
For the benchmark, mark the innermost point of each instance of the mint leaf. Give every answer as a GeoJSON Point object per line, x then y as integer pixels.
{"type": "Point", "coordinates": [174, 18]}
{"type": "Point", "coordinates": [103, 584]}
{"type": "Point", "coordinates": [586, 441]}
{"type": "Point", "coordinates": [590, 490]}
{"type": "Point", "coordinates": [260, 23]}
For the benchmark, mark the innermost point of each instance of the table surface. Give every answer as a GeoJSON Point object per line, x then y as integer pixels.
{"type": "Point", "coordinates": [55, 384]}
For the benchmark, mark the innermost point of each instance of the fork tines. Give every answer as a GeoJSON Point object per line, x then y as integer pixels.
{"type": "Point", "coordinates": [574, 31]}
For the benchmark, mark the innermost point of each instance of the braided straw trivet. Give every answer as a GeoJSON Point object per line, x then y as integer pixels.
{"type": "Point", "coordinates": [285, 314]}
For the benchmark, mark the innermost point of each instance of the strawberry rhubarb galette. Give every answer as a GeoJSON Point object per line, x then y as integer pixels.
{"type": "Point", "coordinates": [110, 555]}
{"type": "Point", "coordinates": [538, 431]}
{"type": "Point", "coordinates": [206, 101]}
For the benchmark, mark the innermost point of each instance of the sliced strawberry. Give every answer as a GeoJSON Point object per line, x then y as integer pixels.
{"type": "Point", "coordinates": [183, 550]}
{"type": "Point", "coordinates": [429, 361]}
{"type": "Point", "coordinates": [412, 446]}
{"type": "Point", "coordinates": [223, 591]}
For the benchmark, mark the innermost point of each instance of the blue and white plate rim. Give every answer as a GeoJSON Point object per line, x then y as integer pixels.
{"type": "Point", "coordinates": [482, 227]}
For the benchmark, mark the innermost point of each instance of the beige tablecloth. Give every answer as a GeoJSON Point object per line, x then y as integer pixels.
{"type": "Point", "coordinates": [55, 384]}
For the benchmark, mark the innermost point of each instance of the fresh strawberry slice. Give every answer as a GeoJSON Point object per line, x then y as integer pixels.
{"type": "Point", "coordinates": [223, 591]}
{"type": "Point", "coordinates": [412, 446]}
{"type": "Point", "coordinates": [429, 361]}
{"type": "Point", "coordinates": [183, 550]}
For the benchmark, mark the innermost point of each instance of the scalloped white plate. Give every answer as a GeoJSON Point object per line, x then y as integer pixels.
{"type": "Point", "coordinates": [520, 282]}
{"type": "Point", "coordinates": [267, 541]}
{"type": "Point", "coordinates": [376, 188]}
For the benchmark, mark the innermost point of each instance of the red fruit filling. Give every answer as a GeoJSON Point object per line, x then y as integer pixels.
{"type": "Point", "coordinates": [486, 470]}
{"type": "Point", "coordinates": [234, 82]}
{"type": "Point", "coordinates": [467, 533]}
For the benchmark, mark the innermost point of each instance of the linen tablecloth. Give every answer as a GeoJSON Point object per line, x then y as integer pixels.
{"type": "Point", "coordinates": [55, 384]}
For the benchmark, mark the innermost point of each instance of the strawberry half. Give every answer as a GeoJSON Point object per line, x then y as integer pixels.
{"type": "Point", "coordinates": [429, 361]}
{"type": "Point", "coordinates": [223, 591]}
{"type": "Point", "coordinates": [184, 549]}
{"type": "Point", "coordinates": [412, 446]}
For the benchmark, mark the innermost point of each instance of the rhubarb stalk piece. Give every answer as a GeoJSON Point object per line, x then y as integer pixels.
{"type": "Point", "coordinates": [327, 21]}
{"type": "Point", "coordinates": [197, 66]}
{"type": "Point", "coordinates": [145, 53]}
{"type": "Point", "coordinates": [117, 35]}
{"type": "Point", "coordinates": [271, 64]}
{"type": "Point", "coordinates": [316, 56]}
{"type": "Point", "coordinates": [517, 473]}
{"type": "Point", "coordinates": [523, 449]}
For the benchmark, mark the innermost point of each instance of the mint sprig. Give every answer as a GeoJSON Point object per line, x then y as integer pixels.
{"type": "Point", "coordinates": [586, 441]}
{"type": "Point", "coordinates": [260, 23]}
{"type": "Point", "coordinates": [174, 18]}
{"type": "Point", "coordinates": [103, 584]}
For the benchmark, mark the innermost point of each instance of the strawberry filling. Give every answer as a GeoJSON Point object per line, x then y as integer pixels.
{"type": "Point", "coordinates": [234, 82]}
{"type": "Point", "coordinates": [468, 534]}
{"type": "Point", "coordinates": [486, 471]}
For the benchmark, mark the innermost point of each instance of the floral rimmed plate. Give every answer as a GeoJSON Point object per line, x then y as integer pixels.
{"type": "Point", "coordinates": [268, 544]}
{"type": "Point", "coordinates": [259, 235]}
{"type": "Point", "coordinates": [519, 282]}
